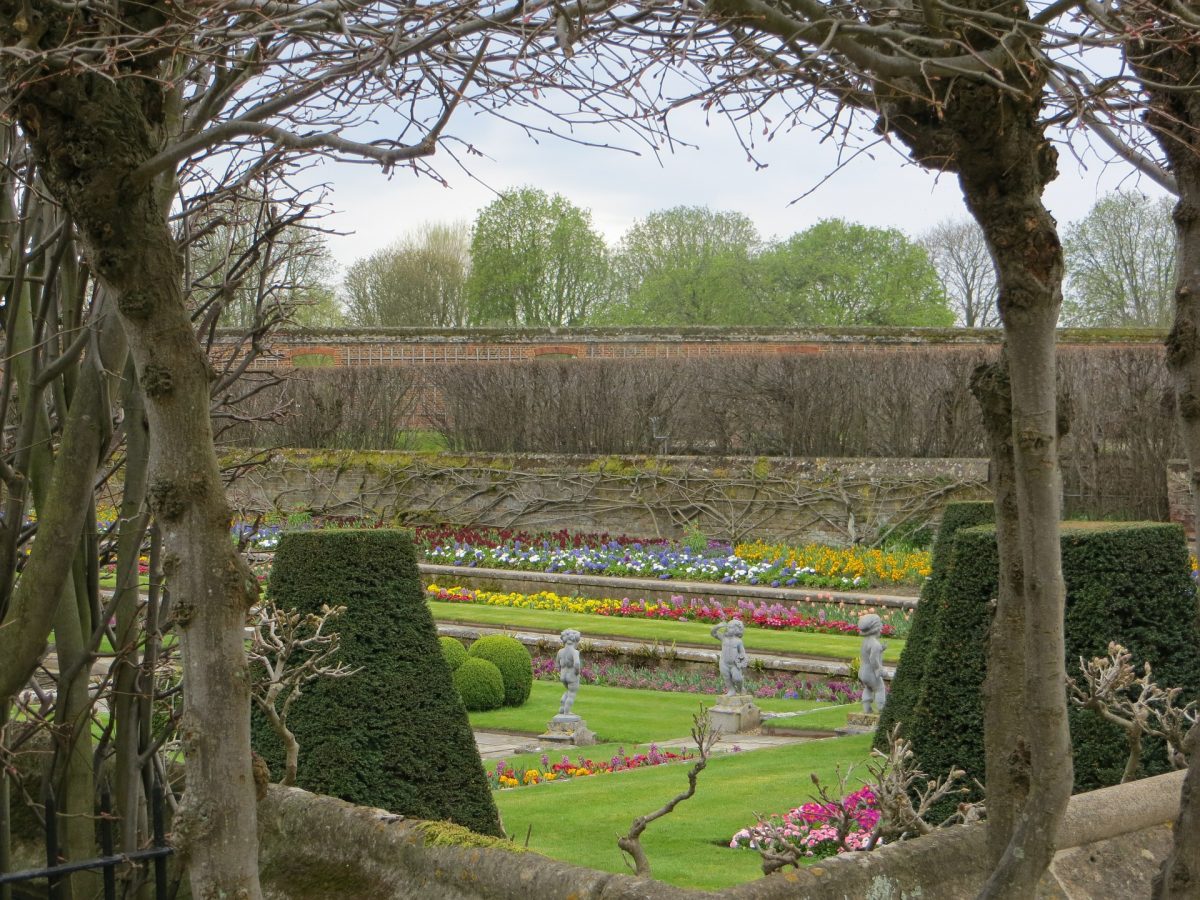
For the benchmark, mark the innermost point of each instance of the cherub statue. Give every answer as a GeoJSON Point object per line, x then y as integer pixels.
{"type": "Point", "coordinates": [733, 655]}
{"type": "Point", "coordinates": [870, 667]}
{"type": "Point", "coordinates": [569, 668]}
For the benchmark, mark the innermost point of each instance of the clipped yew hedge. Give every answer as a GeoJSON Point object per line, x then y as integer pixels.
{"type": "Point", "coordinates": [1126, 582]}
{"type": "Point", "coordinates": [395, 735]}
{"type": "Point", "coordinates": [905, 688]}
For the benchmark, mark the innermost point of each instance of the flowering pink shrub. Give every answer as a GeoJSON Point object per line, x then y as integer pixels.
{"type": "Point", "coordinates": [813, 828]}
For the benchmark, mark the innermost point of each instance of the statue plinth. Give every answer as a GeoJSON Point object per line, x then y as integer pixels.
{"type": "Point", "coordinates": [860, 723]}
{"type": "Point", "coordinates": [735, 714]}
{"type": "Point", "coordinates": [568, 729]}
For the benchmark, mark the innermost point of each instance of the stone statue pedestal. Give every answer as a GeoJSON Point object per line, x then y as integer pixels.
{"type": "Point", "coordinates": [568, 729]}
{"type": "Point", "coordinates": [735, 714]}
{"type": "Point", "coordinates": [860, 723]}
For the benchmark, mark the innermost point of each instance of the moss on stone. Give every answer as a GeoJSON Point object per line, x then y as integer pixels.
{"type": "Point", "coordinates": [447, 834]}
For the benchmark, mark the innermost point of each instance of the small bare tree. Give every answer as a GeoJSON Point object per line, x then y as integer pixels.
{"type": "Point", "coordinates": [907, 795]}
{"type": "Point", "coordinates": [290, 650]}
{"type": "Point", "coordinates": [1112, 688]}
{"type": "Point", "coordinates": [704, 737]}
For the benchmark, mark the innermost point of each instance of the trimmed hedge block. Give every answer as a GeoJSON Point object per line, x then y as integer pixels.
{"type": "Point", "coordinates": [454, 652]}
{"type": "Point", "coordinates": [394, 735]}
{"type": "Point", "coordinates": [1126, 582]}
{"type": "Point", "coordinates": [905, 688]}
{"type": "Point", "coordinates": [480, 684]}
{"type": "Point", "coordinates": [514, 662]}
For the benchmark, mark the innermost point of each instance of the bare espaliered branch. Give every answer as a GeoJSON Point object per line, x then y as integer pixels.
{"type": "Point", "coordinates": [704, 737]}
{"type": "Point", "coordinates": [290, 650]}
{"type": "Point", "coordinates": [1113, 689]}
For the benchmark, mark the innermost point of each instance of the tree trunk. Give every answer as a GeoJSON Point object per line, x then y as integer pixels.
{"type": "Point", "coordinates": [1180, 875]}
{"type": "Point", "coordinates": [1024, 243]}
{"type": "Point", "coordinates": [111, 127]}
{"type": "Point", "coordinates": [1005, 747]}
{"type": "Point", "coordinates": [993, 139]}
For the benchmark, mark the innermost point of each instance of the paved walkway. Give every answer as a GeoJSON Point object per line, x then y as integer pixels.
{"type": "Point", "coordinates": [498, 745]}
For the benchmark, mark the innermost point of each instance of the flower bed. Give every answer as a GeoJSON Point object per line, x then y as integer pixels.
{"type": "Point", "coordinates": [504, 775]}
{"type": "Point", "coordinates": [760, 614]}
{"type": "Point", "coordinates": [606, 673]}
{"type": "Point", "coordinates": [777, 566]}
{"type": "Point", "coordinates": [813, 828]}
{"type": "Point", "coordinates": [875, 565]}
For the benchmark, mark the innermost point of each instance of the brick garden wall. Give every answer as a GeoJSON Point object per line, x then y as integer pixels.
{"type": "Point", "coordinates": [420, 346]}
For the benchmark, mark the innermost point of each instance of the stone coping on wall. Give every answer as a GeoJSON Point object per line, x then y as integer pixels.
{"type": "Point", "coordinates": [314, 847]}
{"type": "Point", "coordinates": [611, 586]}
{"type": "Point", "coordinates": [851, 334]}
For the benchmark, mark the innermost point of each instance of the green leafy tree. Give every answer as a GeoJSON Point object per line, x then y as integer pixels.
{"type": "Point", "coordinates": [843, 273]}
{"type": "Point", "coordinates": [1121, 263]}
{"type": "Point", "coordinates": [419, 280]}
{"type": "Point", "coordinates": [536, 260]}
{"type": "Point", "coordinates": [688, 265]}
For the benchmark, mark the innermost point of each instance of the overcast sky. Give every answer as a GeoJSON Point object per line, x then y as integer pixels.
{"type": "Point", "coordinates": [619, 187]}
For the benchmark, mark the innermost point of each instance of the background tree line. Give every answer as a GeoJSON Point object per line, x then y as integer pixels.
{"type": "Point", "coordinates": [532, 258]}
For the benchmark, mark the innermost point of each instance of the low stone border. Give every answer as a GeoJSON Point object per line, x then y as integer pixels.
{"type": "Point", "coordinates": [650, 588]}
{"type": "Point", "coordinates": [315, 847]}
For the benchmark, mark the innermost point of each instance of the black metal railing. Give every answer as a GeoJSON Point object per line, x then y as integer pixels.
{"type": "Point", "coordinates": [109, 862]}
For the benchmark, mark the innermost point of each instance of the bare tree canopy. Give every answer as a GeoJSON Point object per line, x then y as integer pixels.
{"type": "Point", "coordinates": [960, 254]}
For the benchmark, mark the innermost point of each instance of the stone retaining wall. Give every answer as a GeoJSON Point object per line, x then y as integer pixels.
{"type": "Point", "coordinates": [1111, 844]}
{"type": "Point", "coordinates": [669, 654]}
{"type": "Point", "coordinates": [836, 501]}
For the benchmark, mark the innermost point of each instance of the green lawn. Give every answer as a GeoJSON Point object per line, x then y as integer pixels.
{"type": "Point", "coordinates": [623, 715]}
{"type": "Point", "coordinates": [578, 821]}
{"type": "Point", "coordinates": [834, 646]}
{"type": "Point", "coordinates": [108, 581]}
